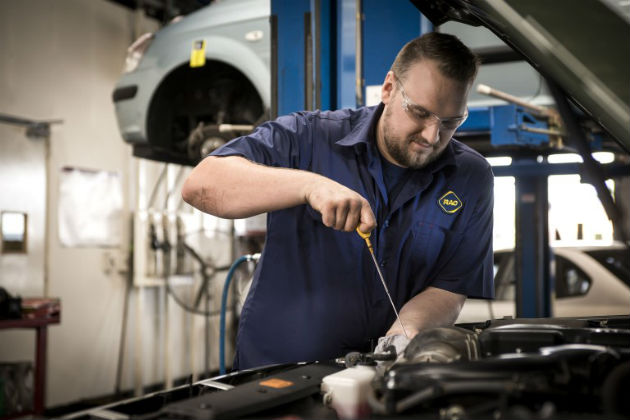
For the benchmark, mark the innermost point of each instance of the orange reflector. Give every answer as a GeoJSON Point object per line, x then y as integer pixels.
{"type": "Point", "coordinates": [276, 383]}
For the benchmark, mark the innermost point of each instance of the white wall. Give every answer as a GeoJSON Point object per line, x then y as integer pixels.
{"type": "Point", "coordinates": [61, 59]}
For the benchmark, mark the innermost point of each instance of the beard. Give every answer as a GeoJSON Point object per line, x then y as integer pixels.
{"type": "Point", "coordinates": [400, 149]}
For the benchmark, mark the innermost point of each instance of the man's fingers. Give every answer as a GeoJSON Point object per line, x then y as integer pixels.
{"type": "Point", "coordinates": [342, 214]}
{"type": "Point", "coordinates": [329, 215]}
{"type": "Point", "coordinates": [368, 221]}
{"type": "Point", "coordinates": [354, 216]}
{"type": "Point", "coordinates": [341, 208]}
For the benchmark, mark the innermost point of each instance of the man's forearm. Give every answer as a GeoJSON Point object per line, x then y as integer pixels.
{"type": "Point", "coordinates": [432, 307]}
{"type": "Point", "coordinates": [233, 187]}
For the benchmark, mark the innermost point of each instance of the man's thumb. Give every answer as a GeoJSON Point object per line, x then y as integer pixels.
{"type": "Point", "coordinates": [368, 221]}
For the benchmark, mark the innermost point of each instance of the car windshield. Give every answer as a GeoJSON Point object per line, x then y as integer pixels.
{"type": "Point", "coordinates": [617, 261]}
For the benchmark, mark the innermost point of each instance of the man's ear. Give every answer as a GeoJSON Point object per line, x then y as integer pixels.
{"type": "Point", "coordinates": [387, 90]}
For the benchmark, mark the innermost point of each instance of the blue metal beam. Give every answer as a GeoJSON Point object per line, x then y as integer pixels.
{"type": "Point", "coordinates": [346, 53]}
{"type": "Point", "coordinates": [478, 121]}
{"type": "Point", "coordinates": [385, 30]}
{"type": "Point", "coordinates": [290, 54]}
{"type": "Point", "coordinates": [325, 39]}
{"type": "Point", "coordinates": [532, 268]}
{"type": "Point", "coordinates": [503, 123]}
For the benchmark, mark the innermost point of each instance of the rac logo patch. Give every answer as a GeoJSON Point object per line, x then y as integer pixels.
{"type": "Point", "coordinates": [450, 202]}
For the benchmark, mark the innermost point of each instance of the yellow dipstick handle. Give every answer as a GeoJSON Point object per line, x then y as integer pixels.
{"type": "Point", "coordinates": [366, 237]}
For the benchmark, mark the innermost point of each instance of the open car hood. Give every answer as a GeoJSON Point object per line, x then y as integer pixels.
{"type": "Point", "coordinates": [581, 46]}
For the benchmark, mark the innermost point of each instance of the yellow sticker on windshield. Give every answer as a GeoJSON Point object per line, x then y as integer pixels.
{"type": "Point", "coordinates": [198, 54]}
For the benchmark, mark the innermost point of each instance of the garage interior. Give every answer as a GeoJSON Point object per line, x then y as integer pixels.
{"type": "Point", "coordinates": [120, 301]}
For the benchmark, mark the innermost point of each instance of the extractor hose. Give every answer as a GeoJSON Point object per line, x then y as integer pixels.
{"type": "Point", "coordinates": [226, 288]}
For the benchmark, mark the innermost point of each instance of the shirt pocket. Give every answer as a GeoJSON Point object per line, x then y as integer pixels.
{"type": "Point", "coordinates": [432, 243]}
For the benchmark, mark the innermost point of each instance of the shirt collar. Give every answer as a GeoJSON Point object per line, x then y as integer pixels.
{"type": "Point", "coordinates": [361, 133]}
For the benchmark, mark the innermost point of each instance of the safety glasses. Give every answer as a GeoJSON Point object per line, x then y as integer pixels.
{"type": "Point", "coordinates": [426, 117]}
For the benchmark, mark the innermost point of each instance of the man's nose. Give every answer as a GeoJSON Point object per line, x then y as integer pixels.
{"type": "Point", "coordinates": [431, 133]}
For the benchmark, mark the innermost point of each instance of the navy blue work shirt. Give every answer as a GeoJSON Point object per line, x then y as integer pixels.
{"type": "Point", "coordinates": [316, 294]}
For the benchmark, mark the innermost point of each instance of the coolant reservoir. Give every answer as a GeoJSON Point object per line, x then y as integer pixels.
{"type": "Point", "coordinates": [346, 391]}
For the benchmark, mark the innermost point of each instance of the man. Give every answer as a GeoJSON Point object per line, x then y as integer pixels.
{"type": "Point", "coordinates": [391, 170]}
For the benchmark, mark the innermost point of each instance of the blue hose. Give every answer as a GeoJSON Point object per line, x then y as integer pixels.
{"type": "Point", "coordinates": [226, 288]}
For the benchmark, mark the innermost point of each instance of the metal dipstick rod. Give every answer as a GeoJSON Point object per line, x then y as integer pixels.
{"type": "Point", "coordinates": [366, 237]}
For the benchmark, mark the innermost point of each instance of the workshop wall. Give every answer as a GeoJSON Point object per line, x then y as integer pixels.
{"type": "Point", "coordinates": [60, 60]}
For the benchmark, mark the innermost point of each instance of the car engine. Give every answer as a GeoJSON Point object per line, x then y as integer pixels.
{"type": "Point", "coordinates": [503, 369]}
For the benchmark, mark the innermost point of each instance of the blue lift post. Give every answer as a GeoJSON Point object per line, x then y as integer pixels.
{"type": "Point", "coordinates": [346, 43]}
{"type": "Point", "coordinates": [324, 39]}
{"type": "Point", "coordinates": [385, 30]}
{"type": "Point", "coordinates": [289, 55]}
{"type": "Point", "coordinates": [532, 254]}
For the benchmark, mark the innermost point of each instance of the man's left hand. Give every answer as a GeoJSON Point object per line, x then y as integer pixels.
{"type": "Point", "coordinates": [399, 341]}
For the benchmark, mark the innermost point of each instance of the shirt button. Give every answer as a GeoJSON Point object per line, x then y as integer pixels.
{"type": "Point", "coordinates": [386, 224]}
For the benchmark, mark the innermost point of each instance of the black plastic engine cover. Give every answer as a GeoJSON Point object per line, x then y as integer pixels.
{"type": "Point", "coordinates": [254, 396]}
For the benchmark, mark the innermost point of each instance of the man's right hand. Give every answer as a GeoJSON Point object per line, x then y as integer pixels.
{"type": "Point", "coordinates": [341, 208]}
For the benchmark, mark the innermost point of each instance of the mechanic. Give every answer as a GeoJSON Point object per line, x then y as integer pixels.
{"type": "Point", "coordinates": [392, 170]}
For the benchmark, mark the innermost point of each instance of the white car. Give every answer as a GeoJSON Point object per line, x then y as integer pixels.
{"type": "Point", "coordinates": [590, 280]}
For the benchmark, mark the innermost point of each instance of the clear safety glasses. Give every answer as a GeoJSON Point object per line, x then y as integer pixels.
{"type": "Point", "coordinates": [426, 117]}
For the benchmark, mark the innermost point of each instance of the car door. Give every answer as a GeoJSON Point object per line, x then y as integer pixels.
{"type": "Point", "coordinates": [584, 287]}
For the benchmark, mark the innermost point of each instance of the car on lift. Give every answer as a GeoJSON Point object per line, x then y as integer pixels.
{"type": "Point", "coordinates": [197, 82]}
{"type": "Point", "coordinates": [589, 280]}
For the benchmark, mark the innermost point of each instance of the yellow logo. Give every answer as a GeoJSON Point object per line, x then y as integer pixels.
{"type": "Point", "coordinates": [450, 202]}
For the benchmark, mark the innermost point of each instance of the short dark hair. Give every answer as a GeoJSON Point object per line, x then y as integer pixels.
{"type": "Point", "coordinates": [454, 58]}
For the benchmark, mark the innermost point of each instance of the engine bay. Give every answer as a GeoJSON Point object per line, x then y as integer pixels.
{"type": "Point", "coordinates": [512, 368]}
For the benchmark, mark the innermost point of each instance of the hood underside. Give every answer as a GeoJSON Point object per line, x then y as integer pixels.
{"type": "Point", "coordinates": [581, 46]}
